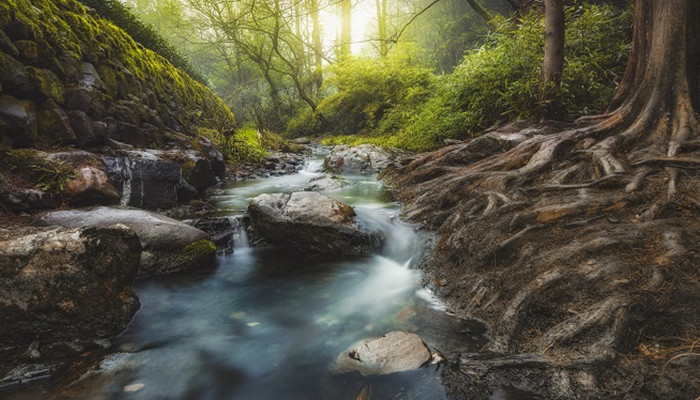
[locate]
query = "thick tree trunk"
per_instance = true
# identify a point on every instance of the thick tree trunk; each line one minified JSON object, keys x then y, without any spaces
{"x":554,"y":34}
{"x":661,"y":90}
{"x":579,"y":246}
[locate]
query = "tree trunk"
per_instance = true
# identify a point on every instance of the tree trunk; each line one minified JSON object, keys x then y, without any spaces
{"x":381,"y":28}
{"x":578,"y":246}
{"x":345,"y":29}
{"x":316,"y":43}
{"x":553,"y":57}
{"x":484,"y":13}
{"x":661,"y":86}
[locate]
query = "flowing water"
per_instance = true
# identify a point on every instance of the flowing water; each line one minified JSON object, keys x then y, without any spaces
{"x":263,"y":324}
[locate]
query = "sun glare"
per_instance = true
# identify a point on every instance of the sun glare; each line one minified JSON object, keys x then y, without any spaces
{"x":362,"y":20}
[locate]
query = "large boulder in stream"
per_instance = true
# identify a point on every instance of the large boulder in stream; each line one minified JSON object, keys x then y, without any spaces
{"x":168,"y":245}
{"x":62,"y":291}
{"x":394,"y":352}
{"x":310,"y":223}
{"x":362,"y":159}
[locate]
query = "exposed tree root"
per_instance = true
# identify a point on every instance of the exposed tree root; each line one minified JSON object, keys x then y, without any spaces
{"x":567,"y":244}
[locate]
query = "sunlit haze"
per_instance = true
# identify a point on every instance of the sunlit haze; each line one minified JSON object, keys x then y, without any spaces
{"x":363,"y":19}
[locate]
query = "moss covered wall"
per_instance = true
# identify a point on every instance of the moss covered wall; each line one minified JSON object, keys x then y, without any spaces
{"x":69,"y":77}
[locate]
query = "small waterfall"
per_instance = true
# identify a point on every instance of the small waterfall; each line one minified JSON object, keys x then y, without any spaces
{"x":240,"y":236}
{"x":126,"y":186}
{"x":314,"y":165}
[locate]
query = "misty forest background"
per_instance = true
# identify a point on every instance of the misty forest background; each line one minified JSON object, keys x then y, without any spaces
{"x":412,"y":74}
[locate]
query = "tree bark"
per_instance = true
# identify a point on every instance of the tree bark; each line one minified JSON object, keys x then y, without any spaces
{"x":539,"y":226}
{"x":381,"y":28}
{"x":554,"y":35}
{"x":483,"y":13}
{"x":345,"y":29}
{"x":316,"y":43}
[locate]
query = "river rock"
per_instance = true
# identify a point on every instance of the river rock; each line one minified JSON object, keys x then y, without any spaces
{"x":168,"y":245}
{"x":325,"y":182}
{"x":19,"y":117}
{"x":62,"y":292}
{"x":394,"y":352}
{"x":91,"y":186}
{"x":310,"y":223}
{"x":363,"y":159}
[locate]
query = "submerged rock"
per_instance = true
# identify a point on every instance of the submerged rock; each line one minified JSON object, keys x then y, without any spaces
{"x":324,"y":183}
{"x":62,"y":292}
{"x":168,"y":245}
{"x":309,"y":222}
{"x":394,"y":352}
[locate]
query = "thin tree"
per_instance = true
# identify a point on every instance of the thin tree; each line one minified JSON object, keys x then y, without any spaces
{"x":382,"y":20}
{"x":316,"y":43}
{"x":554,"y":35}
{"x":345,"y":29}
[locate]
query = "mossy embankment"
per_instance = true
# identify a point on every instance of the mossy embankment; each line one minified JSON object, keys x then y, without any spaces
{"x":72,"y":82}
{"x":70,"y":77}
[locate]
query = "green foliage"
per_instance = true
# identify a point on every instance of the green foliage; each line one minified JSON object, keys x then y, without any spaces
{"x":501,"y":80}
{"x":368,"y":96}
{"x":116,"y":12}
{"x":245,"y":144}
{"x":30,"y":165}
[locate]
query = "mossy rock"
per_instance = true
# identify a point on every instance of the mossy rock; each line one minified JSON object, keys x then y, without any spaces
{"x":54,"y":124}
{"x":33,"y":166}
{"x":110,"y":79}
{"x":14,"y":77}
{"x":19,"y":119}
{"x":48,"y":84}
{"x":7,"y":46}
{"x":200,"y":252}
{"x":28,"y":50}
{"x":65,"y":35}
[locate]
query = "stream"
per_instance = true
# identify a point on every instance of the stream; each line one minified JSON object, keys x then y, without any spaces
{"x":263,"y":324}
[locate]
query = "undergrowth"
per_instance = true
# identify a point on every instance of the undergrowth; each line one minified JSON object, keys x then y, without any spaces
{"x":395,"y":103}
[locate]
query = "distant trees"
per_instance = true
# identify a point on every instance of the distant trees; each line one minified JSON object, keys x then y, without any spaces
{"x":273,"y":60}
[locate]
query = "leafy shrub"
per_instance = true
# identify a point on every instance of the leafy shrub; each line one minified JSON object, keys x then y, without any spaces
{"x":500,"y":81}
{"x":367,"y":96}
{"x":116,"y":12}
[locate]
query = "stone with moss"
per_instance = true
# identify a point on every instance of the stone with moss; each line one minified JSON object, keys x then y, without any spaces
{"x":19,"y":117}
{"x":14,"y":76}
{"x":66,"y":34}
{"x":168,"y":245}
{"x":200,"y":252}
{"x":27,"y":50}
{"x":48,"y":84}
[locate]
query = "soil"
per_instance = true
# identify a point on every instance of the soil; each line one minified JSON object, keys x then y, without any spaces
{"x":587,"y":280}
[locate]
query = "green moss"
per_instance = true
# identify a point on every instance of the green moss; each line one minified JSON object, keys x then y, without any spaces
{"x":200,"y":251}
{"x":34,"y":167}
{"x":65,"y":27}
{"x":48,"y":83}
